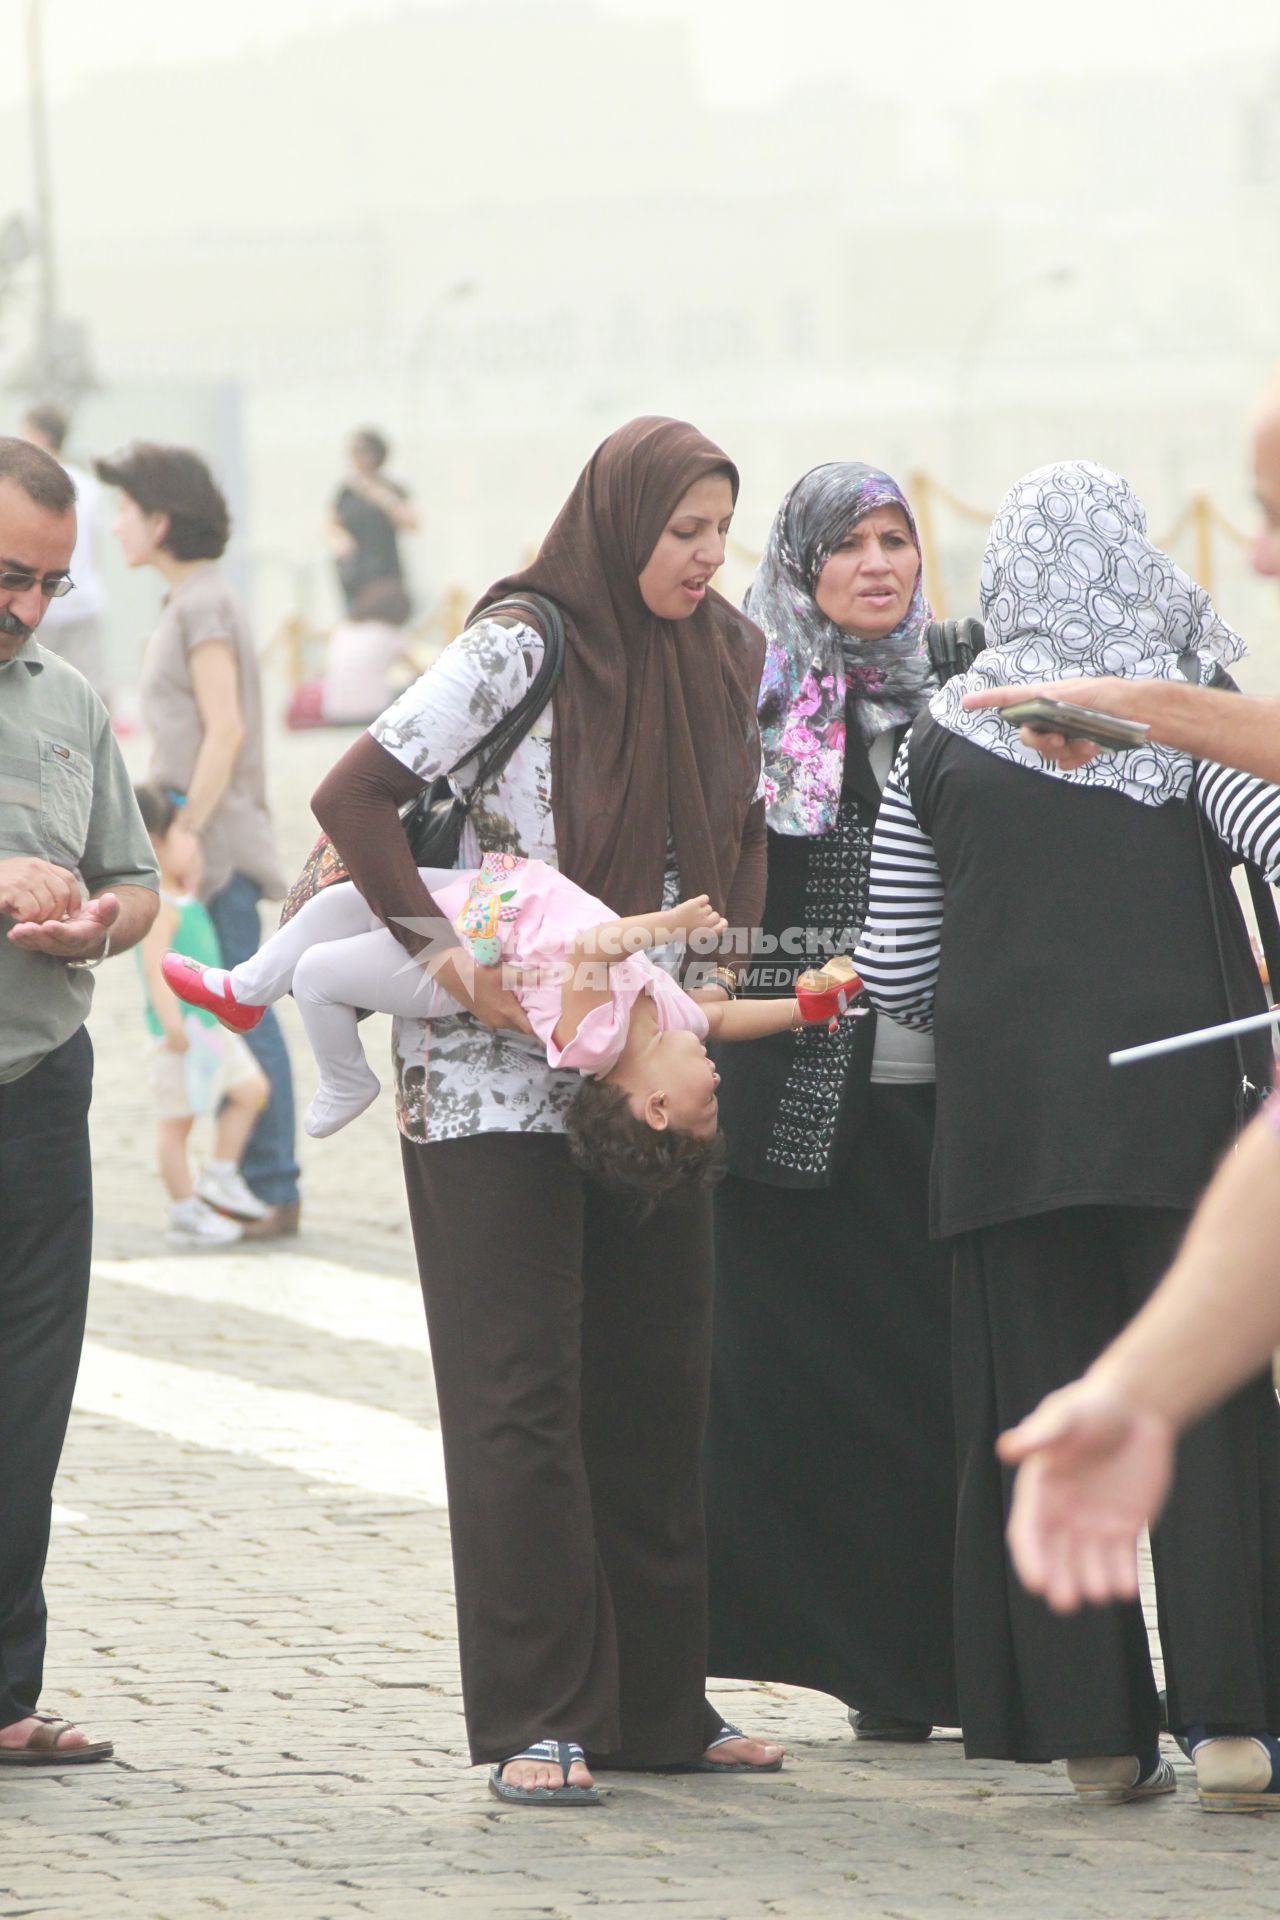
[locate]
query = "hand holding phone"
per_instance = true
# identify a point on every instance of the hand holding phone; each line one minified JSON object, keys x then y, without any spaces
{"x":1076,"y":723}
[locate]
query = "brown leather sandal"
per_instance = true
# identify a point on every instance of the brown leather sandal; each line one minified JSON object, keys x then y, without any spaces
{"x":42,"y":1749}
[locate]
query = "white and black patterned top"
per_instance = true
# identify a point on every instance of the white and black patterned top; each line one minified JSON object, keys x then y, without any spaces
{"x":455,"y":1077}
{"x":1072,"y":586}
{"x":901,"y":940}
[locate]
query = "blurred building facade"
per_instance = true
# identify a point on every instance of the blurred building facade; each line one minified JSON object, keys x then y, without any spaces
{"x":497,"y":232}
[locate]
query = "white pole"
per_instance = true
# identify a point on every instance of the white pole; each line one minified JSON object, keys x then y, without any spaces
{"x":1178,"y":1041}
{"x":44,"y":380}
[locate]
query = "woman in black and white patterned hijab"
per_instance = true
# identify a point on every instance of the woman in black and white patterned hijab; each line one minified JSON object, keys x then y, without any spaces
{"x":1073,"y":586}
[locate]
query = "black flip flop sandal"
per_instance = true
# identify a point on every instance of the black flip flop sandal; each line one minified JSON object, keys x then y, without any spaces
{"x":560,"y":1753}
{"x":703,"y":1765}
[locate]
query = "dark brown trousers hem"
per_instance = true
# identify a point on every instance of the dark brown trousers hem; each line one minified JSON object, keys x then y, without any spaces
{"x":571,"y":1349}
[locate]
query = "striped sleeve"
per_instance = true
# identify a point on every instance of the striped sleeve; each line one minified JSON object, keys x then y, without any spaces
{"x":1244,"y":812}
{"x":898,"y":953}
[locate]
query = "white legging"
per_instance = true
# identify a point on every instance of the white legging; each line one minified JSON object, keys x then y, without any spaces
{"x":336,"y":956}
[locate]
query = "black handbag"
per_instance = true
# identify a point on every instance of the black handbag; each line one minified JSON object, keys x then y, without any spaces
{"x":433,"y":822}
{"x":952,"y":645}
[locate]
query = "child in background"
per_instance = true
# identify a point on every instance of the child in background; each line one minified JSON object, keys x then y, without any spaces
{"x":197,"y":1067}
{"x":644,"y":1119}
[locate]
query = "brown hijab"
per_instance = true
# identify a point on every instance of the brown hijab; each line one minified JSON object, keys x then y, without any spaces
{"x":655,"y":721}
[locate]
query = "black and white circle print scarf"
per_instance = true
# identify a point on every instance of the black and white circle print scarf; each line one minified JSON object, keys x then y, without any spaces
{"x":1071,"y":587}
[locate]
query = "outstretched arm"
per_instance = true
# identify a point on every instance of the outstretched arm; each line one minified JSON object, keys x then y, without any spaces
{"x":901,"y":943}
{"x":1236,"y":730}
{"x":1095,"y":1458}
{"x":750,"y":1019}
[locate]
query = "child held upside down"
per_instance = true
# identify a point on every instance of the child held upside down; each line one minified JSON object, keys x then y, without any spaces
{"x":644,"y":1118}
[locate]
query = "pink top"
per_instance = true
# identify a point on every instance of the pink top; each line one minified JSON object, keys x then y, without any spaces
{"x":524,"y":911}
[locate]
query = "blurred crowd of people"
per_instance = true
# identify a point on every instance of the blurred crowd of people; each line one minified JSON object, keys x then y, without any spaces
{"x":913,"y":1225}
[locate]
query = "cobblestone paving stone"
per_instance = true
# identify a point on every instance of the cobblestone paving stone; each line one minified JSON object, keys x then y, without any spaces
{"x":273,"y":1653}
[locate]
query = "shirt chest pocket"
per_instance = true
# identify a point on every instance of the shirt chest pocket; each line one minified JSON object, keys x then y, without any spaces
{"x":66,"y":795}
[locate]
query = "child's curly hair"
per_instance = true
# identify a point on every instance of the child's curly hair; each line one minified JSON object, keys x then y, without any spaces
{"x":628,"y":1156}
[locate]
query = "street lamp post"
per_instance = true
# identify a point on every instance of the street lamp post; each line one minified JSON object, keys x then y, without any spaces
{"x":57,"y":364}
{"x":42,"y":360}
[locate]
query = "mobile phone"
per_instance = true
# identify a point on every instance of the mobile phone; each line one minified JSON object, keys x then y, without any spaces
{"x":1076,"y":723}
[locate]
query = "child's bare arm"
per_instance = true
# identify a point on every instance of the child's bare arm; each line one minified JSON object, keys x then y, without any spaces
{"x":168,"y":1008}
{"x":750,"y":1019}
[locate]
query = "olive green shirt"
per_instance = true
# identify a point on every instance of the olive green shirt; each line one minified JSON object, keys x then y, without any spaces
{"x":65,"y":797}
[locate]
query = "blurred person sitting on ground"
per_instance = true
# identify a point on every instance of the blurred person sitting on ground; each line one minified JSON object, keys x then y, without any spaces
{"x":570,"y":1341}
{"x":1038,"y":918}
{"x":77,"y":883}
{"x":198,"y":1070}
{"x":369,"y":512}
{"x":645,"y":1118}
{"x":365,"y":655}
{"x":73,"y":627}
{"x":202,"y":708}
{"x":852,"y":1478}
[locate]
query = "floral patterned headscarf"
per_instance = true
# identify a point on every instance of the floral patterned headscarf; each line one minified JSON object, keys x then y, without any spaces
{"x":811,"y":664}
{"x":1073,"y":586}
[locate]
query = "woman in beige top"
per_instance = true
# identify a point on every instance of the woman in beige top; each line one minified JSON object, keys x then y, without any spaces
{"x":202,"y":707}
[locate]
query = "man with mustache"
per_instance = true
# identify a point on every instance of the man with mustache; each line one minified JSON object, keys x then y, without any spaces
{"x":77,"y":881}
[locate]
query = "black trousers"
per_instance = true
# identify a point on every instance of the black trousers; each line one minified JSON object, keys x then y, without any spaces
{"x":1035,"y":1302}
{"x":46,"y":1231}
{"x":571,"y":1349}
{"x":830,"y":1457}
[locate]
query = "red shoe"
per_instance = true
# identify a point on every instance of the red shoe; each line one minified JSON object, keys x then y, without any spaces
{"x":827,"y":994}
{"x":185,"y":977}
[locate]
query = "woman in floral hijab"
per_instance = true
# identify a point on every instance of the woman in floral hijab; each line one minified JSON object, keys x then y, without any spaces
{"x":831,"y":1302}
{"x":816,"y":669}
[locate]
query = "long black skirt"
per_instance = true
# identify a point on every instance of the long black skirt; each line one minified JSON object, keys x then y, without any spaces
{"x":1035,"y":1302}
{"x":830,"y":1458}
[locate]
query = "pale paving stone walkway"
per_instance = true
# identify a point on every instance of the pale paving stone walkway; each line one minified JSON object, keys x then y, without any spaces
{"x":271,"y":1645}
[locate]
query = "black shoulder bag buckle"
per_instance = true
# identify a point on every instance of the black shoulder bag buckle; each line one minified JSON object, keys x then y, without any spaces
{"x":952,"y":645}
{"x":433,"y":822}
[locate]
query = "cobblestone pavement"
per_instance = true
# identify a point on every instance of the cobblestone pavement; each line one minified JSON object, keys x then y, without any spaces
{"x":250,"y":1593}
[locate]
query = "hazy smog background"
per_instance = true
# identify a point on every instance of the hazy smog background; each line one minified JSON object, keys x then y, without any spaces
{"x":955,"y":242}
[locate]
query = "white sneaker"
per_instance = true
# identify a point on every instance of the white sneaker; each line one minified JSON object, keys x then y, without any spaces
{"x":229,"y":1194}
{"x":195,"y":1225}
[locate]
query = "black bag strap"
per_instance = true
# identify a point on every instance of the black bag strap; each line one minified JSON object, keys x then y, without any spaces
{"x":1248,"y":1095}
{"x":952,"y":645}
{"x":1264,"y":912}
{"x":1260,"y":890}
{"x":501,"y":741}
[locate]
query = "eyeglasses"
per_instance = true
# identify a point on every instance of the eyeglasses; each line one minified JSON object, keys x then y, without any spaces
{"x":53,"y":586}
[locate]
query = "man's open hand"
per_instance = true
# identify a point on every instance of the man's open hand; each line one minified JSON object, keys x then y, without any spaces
{"x":80,"y":936}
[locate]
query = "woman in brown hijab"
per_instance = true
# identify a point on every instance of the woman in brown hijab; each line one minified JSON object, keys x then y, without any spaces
{"x":571,"y":1342}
